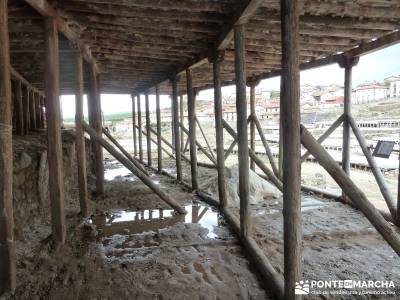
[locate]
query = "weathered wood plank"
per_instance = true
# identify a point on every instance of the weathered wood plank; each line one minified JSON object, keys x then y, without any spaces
{"x":148,"y":132}
{"x":159,"y":145}
{"x":177,"y":142}
{"x":80,"y":140}
{"x":54,"y":152}
{"x":192,"y":129}
{"x":135,"y":152}
{"x":7,"y":247}
{"x":290,"y":118}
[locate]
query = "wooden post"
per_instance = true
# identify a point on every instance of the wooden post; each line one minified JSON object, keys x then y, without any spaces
{"x":252,"y":125}
{"x":19,"y":108}
{"x":54,"y":152}
{"x":159,"y":145}
{"x":7,"y":247}
{"x":131,"y":167}
{"x":27,"y":123}
{"x":95,"y":120}
{"x":280,"y":156}
{"x":42,"y":114}
{"x":243,"y":147}
{"x":148,"y":133}
{"x":182,"y":119}
{"x":219,"y":130}
{"x":351,"y":190}
{"x":139,"y":113}
{"x":80,"y":139}
{"x":192,"y":129}
{"x":135,"y":152}
{"x":398,"y":194}
{"x":174,"y":82}
{"x":347,"y":64}
{"x":290,"y":118}
{"x":37,"y":111}
{"x":32,"y":111}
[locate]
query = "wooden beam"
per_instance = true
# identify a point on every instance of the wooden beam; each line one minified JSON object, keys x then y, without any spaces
{"x":47,"y":10}
{"x":351,"y":190}
{"x":397,"y":221}
{"x":181,"y":120}
{"x":26,"y":105}
{"x":177,"y":143}
{"x":135,"y":152}
{"x":139,"y":113}
{"x":148,"y":133}
{"x":7,"y":246}
{"x":219,"y":133}
{"x":95,"y":120}
{"x":376,"y":171}
{"x":252,"y":125}
{"x":32,"y":110}
{"x":37,"y":111}
{"x":241,"y":112}
{"x":159,"y":145}
{"x":290,"y":116}
{"x":54,"y":152}
{"x":192,"y":129}
{"x":19,"y":108}
{"x":80,"y":139}
{"x":131,"y":167}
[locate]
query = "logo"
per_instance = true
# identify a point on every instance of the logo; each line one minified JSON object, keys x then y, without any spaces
{"x":302,"y":288}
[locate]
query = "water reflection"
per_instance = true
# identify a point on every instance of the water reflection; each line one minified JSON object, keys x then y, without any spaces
{"x":131,"y":222}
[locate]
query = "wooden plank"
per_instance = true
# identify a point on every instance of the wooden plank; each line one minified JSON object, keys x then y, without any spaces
{"x":47,"y":10}
{"x":32,"y":110}
{"x":290,"y":116}
{"x":135,"y":152}
{"x":192,"y":129}
{"x":159,"y":146}
{"x":325,"y":135}
{"x":139,"y":113}
{"x":54,"y":152}
{"x":80,"y":140}
{"x":26,"y":105}
{"x":7,"y":246}
{"x":266,"y":146}
{"x":95,"y":120}
{"x":131,"y":167}
{"x":177,"y":142}
{"x":351,"y":190}
{"x":219,"y":133}
{"x":181,"y":119}
{"x":19,"y":108}
{"x":148,"y":133}
{"x":252,"y":125}
{"x":126,"y":153}
{"x":242,"y":136}
{"x":374,"y":168}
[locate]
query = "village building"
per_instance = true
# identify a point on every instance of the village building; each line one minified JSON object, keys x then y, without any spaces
{"x":394,"y":88}
{"x":369,"y":92}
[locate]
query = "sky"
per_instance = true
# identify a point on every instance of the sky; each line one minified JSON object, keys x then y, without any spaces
{"x":374,"y":66}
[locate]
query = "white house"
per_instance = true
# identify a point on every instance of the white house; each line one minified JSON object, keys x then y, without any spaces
{"x":329,"y":95}
{"x":369,"y":92}
{"x":394,"y":90}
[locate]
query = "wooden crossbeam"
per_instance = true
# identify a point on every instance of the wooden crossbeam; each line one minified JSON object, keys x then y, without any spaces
{"x":47,"y":10}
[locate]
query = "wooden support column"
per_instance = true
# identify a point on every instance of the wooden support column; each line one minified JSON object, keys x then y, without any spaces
{"x":159,"y":145}
{"x":37,"y":111}
{"x":219,"y":129}
{"x":54,"y":152}
{"x":27,"y":123}
{"x":252,"y":125}
{"x":291,"y":159}
{"x":192,"y":128}
{"x":80,"y":139}
{"x":181,"y":120}
{"x":7,"y":248}
{"x":135,"y":152}
{"x":139,"y":114}
{"x":19,"y":108}
{"x":243,"y":147}
{"x":347,"y":64}
{"x":42,"y":113}
{"x":148,"y":133}
{"x":32,"y":110}
{"x":398,"y":196}
{"x":177,"y":144}
{"x":95,"y":120}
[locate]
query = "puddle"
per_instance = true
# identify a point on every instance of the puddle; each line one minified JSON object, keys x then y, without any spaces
{"x":133,"y":222}
{"x":308,"y":203}
{"x":114,"y":173}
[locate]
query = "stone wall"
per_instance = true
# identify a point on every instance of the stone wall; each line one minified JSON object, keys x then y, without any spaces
{"x":31,"y":177}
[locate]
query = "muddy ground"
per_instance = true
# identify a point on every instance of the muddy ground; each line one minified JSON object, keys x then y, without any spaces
{"x":135,"y":247}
